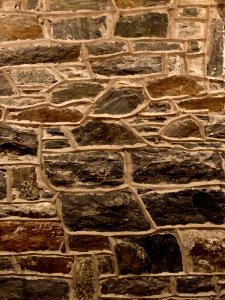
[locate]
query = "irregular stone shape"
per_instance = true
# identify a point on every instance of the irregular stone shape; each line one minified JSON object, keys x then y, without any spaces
{"x":105,"y":264}
{"x":101,"y":133}
{"x":54,"y":131}
{"x":117,"y":211}
{"x":20,"y":27}
{"x":3,"y":184}
{"x":46,"y":264}
{"x":21,"y":288}
{"x":5,"y":87}
{"x":85,"y":243}
{"x":33,"y":76}
{"x":172,"y":166}
{"x":19,"y":236}
{"x":79,"y":28}
{"x":85,"y":279}
{"x":49,"y":115}
{"x":76,"y":91}
{"x":135,"y":25}
{"x":25,"y":182}
{"x":187,"y":206}
{"x":120,"y":101}
{"x":6,"y":263}
{"x":210,"y":103}
{"x":71,"y":5}
{"x":136,"y":3}
{"x":136,"y":286}
{"x":127,"y":65}
{"x":216,"y":48}
{"x":182,"y":128}
{"x":17,"y":140}
{"x":190,"y":12}
{"x":174,"y":86}
{"x":87,"y":169}
{"x":205,"y":250}
{"x":105,"y":48}
{"x":40,"y":210}
{"x":216,"y":130}
{"x":189,"y":29}
{"x":157,"y":46}
{"x":194,"y":284}
{"x":39,"y":54}
{"x":8,"y":5}
{"x":194,"y":46}
{"x":157,"y":253}
{"x":162,"y":106}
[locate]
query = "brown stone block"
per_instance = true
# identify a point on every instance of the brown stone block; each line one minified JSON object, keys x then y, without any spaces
{"x":85,"y":243}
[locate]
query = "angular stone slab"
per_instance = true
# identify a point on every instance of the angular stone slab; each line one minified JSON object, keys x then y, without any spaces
{"x":136,"y":3}
{"x":135,"y":25}
{"x":71,"y":5}
{"x":189,"y":206}
{"x":5,"y":86}
{"x":97,"y":132}
{"x":157,"y":253}
{"x":213,"y":104}
{"x":195,"y":284}
{"x":39,"y":54}
{"x":85,"y":243}
{"x":170,"y":166}
{"x":120,"y":101}
{"x":205,"y":250}
{"x":127,"y":65}
{"x":105,"y":48}
{"x":136,"y":286}
{"x":88,"y":169}
{"x":79,"y":28}
{"x":115,"y":211}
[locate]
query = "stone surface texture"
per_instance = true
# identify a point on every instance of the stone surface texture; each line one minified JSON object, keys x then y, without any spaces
{"x":112,"y":149}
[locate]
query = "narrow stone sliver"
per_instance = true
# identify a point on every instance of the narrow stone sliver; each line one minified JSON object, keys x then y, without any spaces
{"x":112,"y":132}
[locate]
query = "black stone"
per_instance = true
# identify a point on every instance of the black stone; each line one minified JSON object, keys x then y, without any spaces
{"x":119,"y":101}
{"x":56,"y":144}
{"x":21,"y":289}
{"x":194,"y":284}
{"x":88,"y":169}
{"x":116,"y":211}
{"x":187,"y":206}
{"x":136,"y":286}
{"x":101,"y":133}
{"x":39,"y":54}
{"x":76,"y":91}
{"x":79,"y":28}
{"x":149,"y":254}
{"x":135,"y":25}
{"x":127,"y":65}
{"x":105,"y":48}
{"x":172,"y":166}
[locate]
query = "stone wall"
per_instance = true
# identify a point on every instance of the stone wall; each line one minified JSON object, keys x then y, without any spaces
{"x":112,"y":149}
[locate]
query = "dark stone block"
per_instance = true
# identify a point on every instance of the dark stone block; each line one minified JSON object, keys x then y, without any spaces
{"x":117,"y":211}
{"x":79,"y":28}
{"x":6,"y":264}
{"x":195,"y":284}
{"x":3,"y":184}
{"x":46,"y":264}
{"x":187,"y":206}
{"x":105,"y":264}
{"x":120,"y":101}
{"x":87,"y":169}
{"x":76,"y":91}
{"x":127,"y":65}
{"x":172,"y":166}
{"x":136,"y":286}
{"x":149,"y":254}
{"x":85,"y":243}
{"x":105,"y":48}
{"x":56,"y":144}
{"x":211,"y":103}
{"x":44,"y":289}
{"x":101,"y":133}
{"x":135,"y":25}
{"x":217,"y":130}
{"x":5,"y":87}
{"x":156,"y":46}
{"x":136,"y":3}
{"x":39,"y":54}
{"x":71,"y":5}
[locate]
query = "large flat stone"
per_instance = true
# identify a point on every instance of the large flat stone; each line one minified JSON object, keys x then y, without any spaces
{"x":85,"y":243}
{"x":162,"y":165}
{"x":127,"y":65}
{"x":185,"y":207}
{"x":71,"y":5}
{"x":87,"y":169}
{"x":79,"y":28}
{"x":148,"y":254}
{"x":135,"y":25}
{"x":213,"y":104}
{"x":137,"y":3}
{"x":117,"y":211}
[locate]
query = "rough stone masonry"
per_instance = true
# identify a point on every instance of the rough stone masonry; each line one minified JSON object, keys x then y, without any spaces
{"x":112,"y":149}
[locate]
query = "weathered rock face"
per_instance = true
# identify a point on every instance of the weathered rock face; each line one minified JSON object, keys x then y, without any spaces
{"x":112,"y":161}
